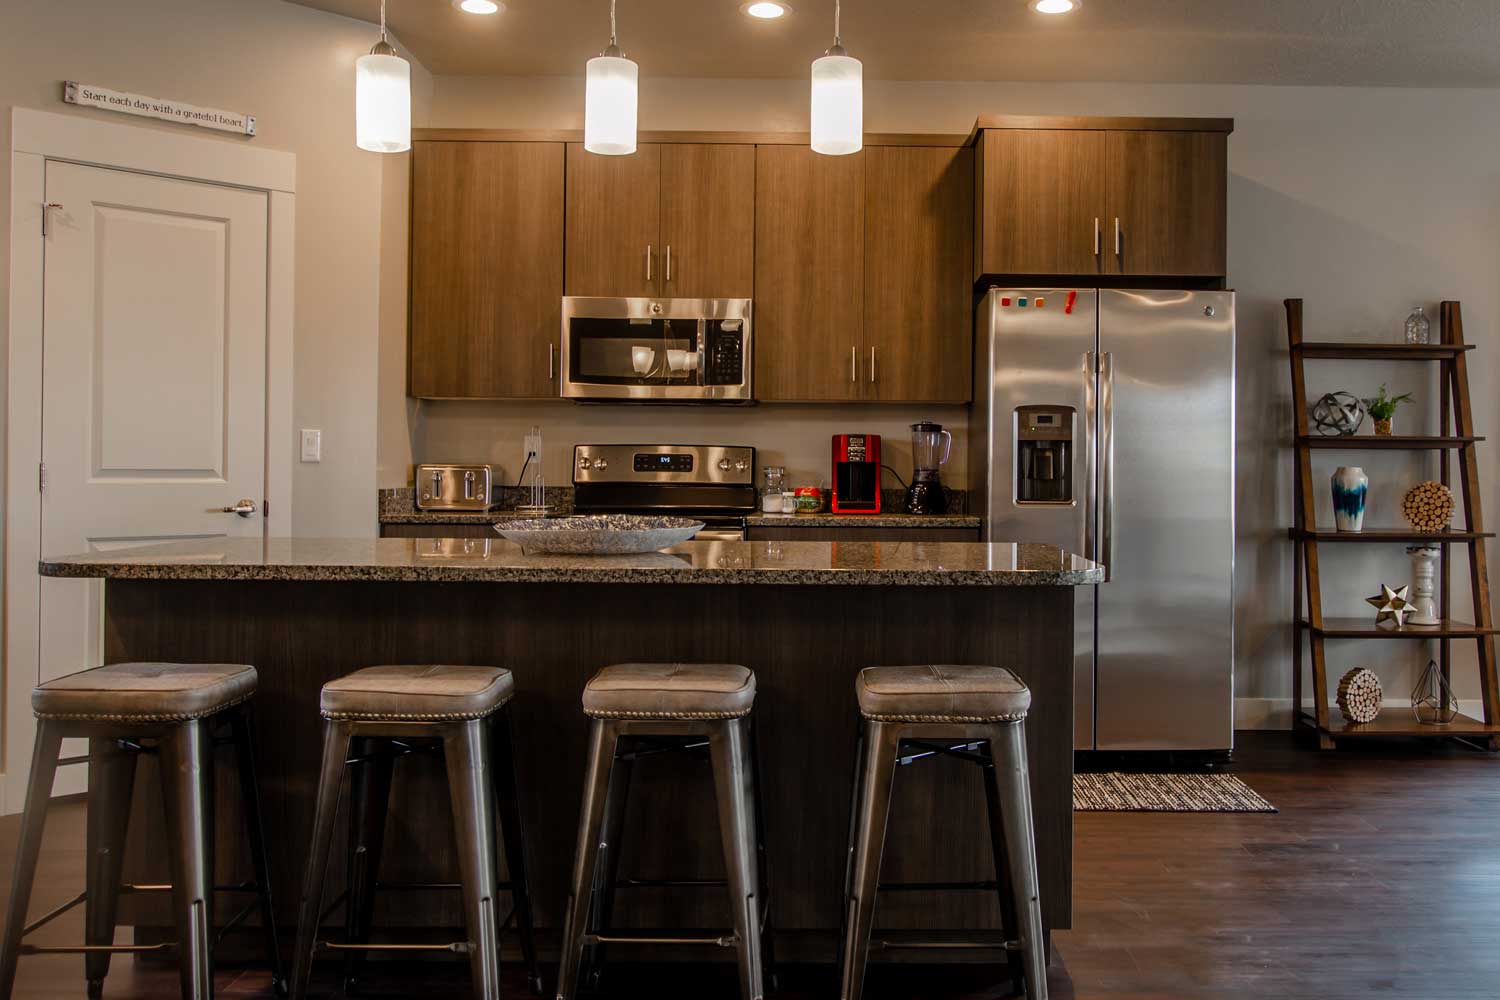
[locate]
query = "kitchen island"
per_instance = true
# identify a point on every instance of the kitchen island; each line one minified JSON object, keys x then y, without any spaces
{"x":804,"y":615}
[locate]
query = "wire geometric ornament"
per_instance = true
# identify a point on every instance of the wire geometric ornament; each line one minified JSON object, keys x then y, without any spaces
{"x":1391,"y":605}
{"x":1338,"y":414}
{"x":1432,"y":700}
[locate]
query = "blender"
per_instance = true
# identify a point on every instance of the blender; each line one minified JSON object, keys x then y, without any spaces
{"x":929,"y":449}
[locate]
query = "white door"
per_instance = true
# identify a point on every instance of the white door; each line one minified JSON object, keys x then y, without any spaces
{"x":154,"y":377}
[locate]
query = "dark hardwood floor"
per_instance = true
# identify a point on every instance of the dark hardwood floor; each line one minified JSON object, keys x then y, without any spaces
{"x":1379,"y":877}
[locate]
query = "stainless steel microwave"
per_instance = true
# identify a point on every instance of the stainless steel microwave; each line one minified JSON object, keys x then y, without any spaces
{"x":657,"y":350}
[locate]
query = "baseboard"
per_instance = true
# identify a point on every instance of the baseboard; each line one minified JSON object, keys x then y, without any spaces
{"x":1276,"y":713}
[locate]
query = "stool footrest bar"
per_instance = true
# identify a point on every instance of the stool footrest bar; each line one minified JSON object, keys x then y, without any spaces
{"x":990,"y":886}
{"x":47,"y":918}
{"x":725,"y":941}
{"x":461,"y":947}
{"x":975,"y":945}
{"x":671,"y":883}
{"x":84,"y":949}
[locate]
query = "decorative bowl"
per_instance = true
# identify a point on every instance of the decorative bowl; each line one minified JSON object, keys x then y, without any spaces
{"x":599,"y":534}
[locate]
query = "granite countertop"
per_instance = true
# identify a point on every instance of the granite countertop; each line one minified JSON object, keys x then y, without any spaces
{"x":484,"y":560}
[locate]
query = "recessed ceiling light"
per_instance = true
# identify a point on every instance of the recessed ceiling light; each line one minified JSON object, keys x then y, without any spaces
{"x":1055,"y":6}
{"x":767,"y":10}
{"x":479,"y":6}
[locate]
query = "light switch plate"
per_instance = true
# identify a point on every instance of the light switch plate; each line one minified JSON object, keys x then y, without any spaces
{"x":312,"y":445}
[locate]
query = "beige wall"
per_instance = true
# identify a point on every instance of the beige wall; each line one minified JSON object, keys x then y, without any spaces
{"x":293,"y":68}
{"x":1363,"y":201}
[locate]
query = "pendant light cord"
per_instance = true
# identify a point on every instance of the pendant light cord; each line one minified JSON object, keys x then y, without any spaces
{"x":837,"y":35}
{"x":612,"y":40}
{"x":382,"y":20}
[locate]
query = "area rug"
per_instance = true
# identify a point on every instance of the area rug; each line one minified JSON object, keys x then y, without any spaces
{"x":1116,"y":791}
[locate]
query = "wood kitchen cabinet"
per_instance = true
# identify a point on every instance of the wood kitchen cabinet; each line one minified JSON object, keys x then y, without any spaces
{"x":671,"y":219}
{"x":1140,"y":197}
{"x":919,"y":237}
{"x":809,"y":274}
{"x":486,"y":268}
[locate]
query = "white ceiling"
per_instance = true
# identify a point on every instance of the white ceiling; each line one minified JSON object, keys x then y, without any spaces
{"x":1422,"y":43}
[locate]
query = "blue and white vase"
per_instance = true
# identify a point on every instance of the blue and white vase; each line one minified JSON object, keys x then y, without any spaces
{"x":1350,"y":484}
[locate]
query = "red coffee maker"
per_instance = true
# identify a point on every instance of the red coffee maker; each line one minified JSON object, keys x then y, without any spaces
{"x":856,"y":474}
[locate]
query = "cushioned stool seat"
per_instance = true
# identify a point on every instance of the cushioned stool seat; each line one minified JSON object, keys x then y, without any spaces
{"x":145,"y":692}
{"x":941,"y":693}
{"x":670,"y":691}
{"x":417,"y":693}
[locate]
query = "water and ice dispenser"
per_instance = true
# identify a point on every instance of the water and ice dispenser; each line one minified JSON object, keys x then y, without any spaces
{"x":1044,"y":454}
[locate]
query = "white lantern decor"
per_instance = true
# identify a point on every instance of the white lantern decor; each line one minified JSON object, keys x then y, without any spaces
{"x":838,"y":99}
{"x":611,"y":88}
{"x":382,"y":98}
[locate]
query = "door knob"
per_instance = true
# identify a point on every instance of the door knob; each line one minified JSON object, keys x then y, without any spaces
{"x":244,"y":508}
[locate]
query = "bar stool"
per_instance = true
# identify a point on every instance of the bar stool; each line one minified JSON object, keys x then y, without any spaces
{"x":647,"y":708}
{"x":126,"y":710}
{"x":973,"y":714}
{"x":374,"y":716}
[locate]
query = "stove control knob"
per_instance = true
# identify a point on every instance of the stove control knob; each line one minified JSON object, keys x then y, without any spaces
{"x":741,"y":465}
{"x":724,"y":465}
{"x":600,"y":464}
{"x":585,"y":463}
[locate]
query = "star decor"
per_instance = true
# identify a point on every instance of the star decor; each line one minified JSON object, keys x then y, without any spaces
{"x":1391,"y":605}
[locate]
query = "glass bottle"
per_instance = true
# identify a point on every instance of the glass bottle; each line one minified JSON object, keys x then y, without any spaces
{"x":775,"y":482}
{"x":1418,"y":330}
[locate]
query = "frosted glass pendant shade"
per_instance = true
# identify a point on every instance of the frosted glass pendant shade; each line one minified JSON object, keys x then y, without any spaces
{"x":838,"y":105}
{"x":609,"y":105}
{"x":382,"y":103}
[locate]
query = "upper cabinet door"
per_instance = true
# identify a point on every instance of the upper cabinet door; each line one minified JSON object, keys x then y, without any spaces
{"x":809,"y":274}
{"x":1041,"y":198}
{"x":613,"y":234}
{"x":919,"y":219}
{"x":486,"y":268}
{"x":708,"y":220}
{"x":1167,"y":189}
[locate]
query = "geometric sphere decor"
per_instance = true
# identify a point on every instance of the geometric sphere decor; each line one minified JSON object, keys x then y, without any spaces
{"x":1359,"y":695}
{"x":1428,"y":506}
{"x":1337,"y":413}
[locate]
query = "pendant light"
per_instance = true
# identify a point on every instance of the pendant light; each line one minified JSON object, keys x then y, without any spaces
{"x":838,"y":101}
{"x":610,"y":98}
{"x":382,"y":98}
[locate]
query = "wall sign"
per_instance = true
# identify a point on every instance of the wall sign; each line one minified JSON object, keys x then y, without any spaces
{"x":90,"y":96}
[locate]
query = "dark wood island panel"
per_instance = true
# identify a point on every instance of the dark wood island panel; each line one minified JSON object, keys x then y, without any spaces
{"x":805,"y":643}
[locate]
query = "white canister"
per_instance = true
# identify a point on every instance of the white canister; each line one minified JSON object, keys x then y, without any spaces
{"x":1350,"y":486}
{"x":1424,"y":559}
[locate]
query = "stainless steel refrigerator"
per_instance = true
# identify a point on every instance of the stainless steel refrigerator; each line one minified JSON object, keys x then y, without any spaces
{"x":1104,"y":423}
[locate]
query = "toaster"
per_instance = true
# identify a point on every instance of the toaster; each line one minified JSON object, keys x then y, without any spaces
{"x":456,"y":487}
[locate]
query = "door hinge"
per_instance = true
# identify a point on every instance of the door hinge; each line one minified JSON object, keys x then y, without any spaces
{"x":265,"y":508}
{"x":41,"y":477}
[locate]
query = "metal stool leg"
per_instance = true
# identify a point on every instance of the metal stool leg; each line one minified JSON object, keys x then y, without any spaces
{"x":336,"y":737}
{"x":1013,"y":789}
{"x":466,"y":749}
{"x":111,"y":786}
{"x":603,"y":735}
{"x":242,"y":726}
{"x":873,"y":810}
{"x":603,"y":912}
{"x":763,"y":859}
{"x":33,"y":821}
{"x":369,"y":803}
{"x":734,"y":787}
{"x":187,"y":770}
{"x":513,"y":836}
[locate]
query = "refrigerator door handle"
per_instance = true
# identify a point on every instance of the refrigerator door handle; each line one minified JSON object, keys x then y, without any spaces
{"x":1090,"y":483}
{"x":1107,"y":464}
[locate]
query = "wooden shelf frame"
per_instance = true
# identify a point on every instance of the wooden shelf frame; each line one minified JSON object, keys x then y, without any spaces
{"x":1456,"y":440}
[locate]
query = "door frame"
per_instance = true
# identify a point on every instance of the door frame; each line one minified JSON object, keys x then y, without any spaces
{"x":37,"y":137}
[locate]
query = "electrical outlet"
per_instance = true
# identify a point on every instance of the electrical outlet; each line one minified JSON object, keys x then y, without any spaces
{"x":312,"y":445}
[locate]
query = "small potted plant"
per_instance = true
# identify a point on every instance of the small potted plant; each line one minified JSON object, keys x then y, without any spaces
{"x":1383,"y":407}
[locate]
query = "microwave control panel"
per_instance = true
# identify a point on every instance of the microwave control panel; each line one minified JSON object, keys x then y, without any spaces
{"x":724,"y":354}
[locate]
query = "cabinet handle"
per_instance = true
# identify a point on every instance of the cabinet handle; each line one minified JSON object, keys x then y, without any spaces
{"x":1117,"y":236}
{"x":1098,"y":242}
{"x":872,"y":364}
{"x":669,"y":262}
{"x":853,"y":363}
{"x":649,"y":250}
{"x":551,"y":362}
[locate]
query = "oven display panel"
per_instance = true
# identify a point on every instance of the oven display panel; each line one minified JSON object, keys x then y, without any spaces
{"x":663,"y":463}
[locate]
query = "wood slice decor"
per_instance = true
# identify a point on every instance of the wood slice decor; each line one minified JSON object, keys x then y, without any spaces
{"x":1360,"y":695}
{"x":1428,"y":506}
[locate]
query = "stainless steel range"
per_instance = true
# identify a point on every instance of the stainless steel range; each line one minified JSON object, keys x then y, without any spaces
{"x":712,"y":483}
